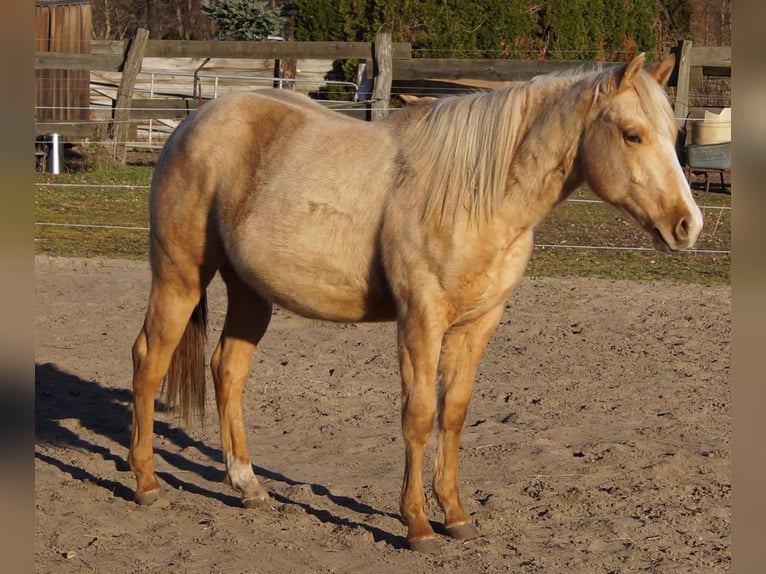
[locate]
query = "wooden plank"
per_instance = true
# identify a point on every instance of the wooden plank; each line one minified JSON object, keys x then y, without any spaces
{"x":267,"y":50}
{"x":71,"y":61}
{"x":108,"y":48}
{"x":711,"y":56}
{"x":73,"y":130}
{"x":257,"y":49}
{"x":108,"y":56}
{"x":494,"y":70}
{"x":681,"y":107}
{"x":132,"y":66}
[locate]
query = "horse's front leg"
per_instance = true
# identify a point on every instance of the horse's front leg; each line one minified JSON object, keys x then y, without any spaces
{"x":461,"y":350}
{"x":419,"y":339}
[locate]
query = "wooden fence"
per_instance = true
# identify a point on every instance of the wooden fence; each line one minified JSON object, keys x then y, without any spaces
{"x":62,"y":27}
{"x":112,"y":57}
{"x":388,"y":63}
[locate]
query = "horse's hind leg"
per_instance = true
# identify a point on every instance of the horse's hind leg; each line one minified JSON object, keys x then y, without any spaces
{"x":461,"y":350}
{"x":247,"y":317}
{"x":174,"y":295}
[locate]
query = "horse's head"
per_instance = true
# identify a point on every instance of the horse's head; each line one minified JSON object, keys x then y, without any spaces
{"x":629,"y":154}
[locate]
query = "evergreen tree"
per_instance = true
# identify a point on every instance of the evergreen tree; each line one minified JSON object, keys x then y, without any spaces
{"x":554,"y":29}
{"x":243,"y":19}
{"x":548,"y":29}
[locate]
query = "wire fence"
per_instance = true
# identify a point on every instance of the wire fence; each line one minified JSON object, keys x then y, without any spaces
{"x":152,"y":134}
{"x":721,"y":209}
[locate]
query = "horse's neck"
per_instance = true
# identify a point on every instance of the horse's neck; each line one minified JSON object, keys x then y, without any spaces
{"x":545,"y":169}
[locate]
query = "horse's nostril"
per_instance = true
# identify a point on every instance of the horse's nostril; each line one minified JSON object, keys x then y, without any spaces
{"x":683,"y":228}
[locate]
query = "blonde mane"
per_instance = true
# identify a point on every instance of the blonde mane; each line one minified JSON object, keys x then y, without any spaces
{"x":449,"y":145}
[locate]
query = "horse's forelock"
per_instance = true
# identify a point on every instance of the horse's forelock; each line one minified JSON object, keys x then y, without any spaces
{"x":652,"y":97}
{"x":655,"y":103}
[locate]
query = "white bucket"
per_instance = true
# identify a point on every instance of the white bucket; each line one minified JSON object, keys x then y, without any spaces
{"x":713,"y":128}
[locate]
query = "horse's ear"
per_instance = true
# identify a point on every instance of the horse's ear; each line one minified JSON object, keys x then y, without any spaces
{"x":661,"y":70}
{"x":630,"y":71}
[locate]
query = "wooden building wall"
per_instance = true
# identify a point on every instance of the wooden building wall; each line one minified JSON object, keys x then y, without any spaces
{"x":62,"y":26}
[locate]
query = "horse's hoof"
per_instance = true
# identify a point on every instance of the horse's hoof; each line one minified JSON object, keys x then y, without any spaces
{"x":257,"y":503}
{"x":147,"y":498}
{"x":463,"y":531}
{"x":424,"y":545}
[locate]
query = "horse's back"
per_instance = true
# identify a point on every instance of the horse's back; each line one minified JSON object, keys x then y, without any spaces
{"x":295,"y":194}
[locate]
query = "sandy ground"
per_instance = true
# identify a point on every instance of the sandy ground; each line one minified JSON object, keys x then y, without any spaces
{"x":598,"y":439}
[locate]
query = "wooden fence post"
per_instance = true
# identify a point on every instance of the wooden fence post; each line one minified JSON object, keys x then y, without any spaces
{"x":384,"y":67}
{"x":681,"y":106}
{"x":130,"y":69}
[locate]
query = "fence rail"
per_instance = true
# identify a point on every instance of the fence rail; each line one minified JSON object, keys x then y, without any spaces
{"x":386,"y":62}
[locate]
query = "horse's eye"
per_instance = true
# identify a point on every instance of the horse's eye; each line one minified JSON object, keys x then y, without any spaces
{"x":632,"y":137}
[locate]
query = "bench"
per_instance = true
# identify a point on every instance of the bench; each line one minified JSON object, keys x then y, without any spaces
{"x":707,"y":172}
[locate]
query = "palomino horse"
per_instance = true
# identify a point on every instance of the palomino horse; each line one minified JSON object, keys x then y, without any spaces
{"x":425,"y":219}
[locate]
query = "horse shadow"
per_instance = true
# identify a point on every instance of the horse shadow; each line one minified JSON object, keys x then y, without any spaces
{"x":63,"y":397}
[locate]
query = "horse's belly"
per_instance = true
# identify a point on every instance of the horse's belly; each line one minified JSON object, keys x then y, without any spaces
{"x":325,"y":293}
{"x":321,"y":271}
{"x":321,"y":298}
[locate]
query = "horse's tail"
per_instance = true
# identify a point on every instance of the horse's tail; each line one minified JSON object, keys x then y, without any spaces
{"x":185,"y":381}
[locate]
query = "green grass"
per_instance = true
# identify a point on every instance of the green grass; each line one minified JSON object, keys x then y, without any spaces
{"x":599,"y":224}
{"x":76,"y":198}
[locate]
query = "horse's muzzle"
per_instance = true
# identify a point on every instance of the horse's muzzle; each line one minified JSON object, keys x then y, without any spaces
{"x":682,"y":235}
